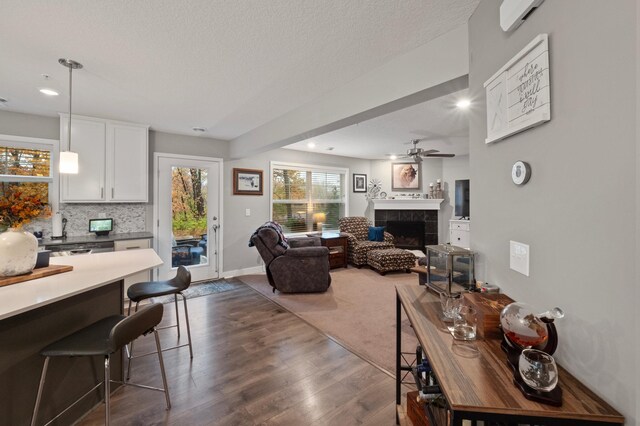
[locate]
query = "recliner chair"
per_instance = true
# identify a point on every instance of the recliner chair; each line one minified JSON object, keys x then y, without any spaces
{"x":302,"y":268}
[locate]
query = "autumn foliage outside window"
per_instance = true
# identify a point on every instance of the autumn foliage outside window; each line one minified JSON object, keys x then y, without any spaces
{"x":189,"y":202}
{"x":299,"y":195}
{"x":24,"y":190}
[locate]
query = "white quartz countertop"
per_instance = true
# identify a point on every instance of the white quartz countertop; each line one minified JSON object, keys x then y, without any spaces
{"x":90,"y":271}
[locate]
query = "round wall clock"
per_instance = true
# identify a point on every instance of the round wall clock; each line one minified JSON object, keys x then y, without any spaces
{"x":520,"y":172}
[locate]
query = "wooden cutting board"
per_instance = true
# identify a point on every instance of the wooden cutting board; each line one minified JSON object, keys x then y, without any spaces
{"x":35,"y":274}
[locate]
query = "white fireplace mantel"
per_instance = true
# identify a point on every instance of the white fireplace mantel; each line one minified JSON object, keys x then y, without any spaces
{"x":407,"y":204}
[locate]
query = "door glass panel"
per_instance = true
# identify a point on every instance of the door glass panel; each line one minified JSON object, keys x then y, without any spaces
{"x":189,"y":216}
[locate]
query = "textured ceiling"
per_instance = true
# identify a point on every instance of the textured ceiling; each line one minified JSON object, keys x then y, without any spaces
{"x":227,"y":66}
{"x":445,"y":127}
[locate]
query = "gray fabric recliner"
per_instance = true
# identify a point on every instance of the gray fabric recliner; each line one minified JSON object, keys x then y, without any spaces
{"x":302,"y":268}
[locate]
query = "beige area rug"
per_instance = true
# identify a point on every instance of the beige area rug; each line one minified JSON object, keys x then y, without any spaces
{"x":358,"y":311}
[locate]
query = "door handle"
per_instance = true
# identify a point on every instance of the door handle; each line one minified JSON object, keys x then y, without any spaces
{"x":101,"y":192}
{"x":111,"y":192}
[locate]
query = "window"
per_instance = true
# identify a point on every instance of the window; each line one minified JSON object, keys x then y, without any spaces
{"x":25,"y":168}
{"x":308,"y":198}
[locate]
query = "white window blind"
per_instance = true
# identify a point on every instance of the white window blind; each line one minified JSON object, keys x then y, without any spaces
{"x":306,"y":198}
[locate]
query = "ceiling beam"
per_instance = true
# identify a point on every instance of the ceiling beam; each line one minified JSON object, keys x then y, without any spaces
{"x":429,"y":71}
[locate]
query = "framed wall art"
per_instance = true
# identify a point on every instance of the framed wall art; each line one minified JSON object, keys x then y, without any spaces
{"x":405,"y":176}
{"x":247,"y":182}
{"x":518,"y":94}
{"x":359,"y":182}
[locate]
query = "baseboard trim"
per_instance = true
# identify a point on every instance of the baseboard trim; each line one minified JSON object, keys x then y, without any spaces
{"x":243,"y":271}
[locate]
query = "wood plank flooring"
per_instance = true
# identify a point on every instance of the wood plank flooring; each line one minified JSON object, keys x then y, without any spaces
{"x":254,"y":364}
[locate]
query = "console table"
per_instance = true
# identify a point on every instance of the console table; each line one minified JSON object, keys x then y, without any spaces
{"x":476,"y":381}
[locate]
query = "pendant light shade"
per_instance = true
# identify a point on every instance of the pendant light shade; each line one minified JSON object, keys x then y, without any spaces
{"x":69,"y":159}
{"x":69,"y":162}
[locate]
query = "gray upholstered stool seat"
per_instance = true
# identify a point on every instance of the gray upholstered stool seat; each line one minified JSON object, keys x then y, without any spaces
{"x":105,"y":337}
{"x":146,"y":290}
{"x":393,"y":259}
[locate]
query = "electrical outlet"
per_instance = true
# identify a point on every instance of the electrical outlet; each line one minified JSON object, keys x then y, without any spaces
{"x":247,"y":212}
{"x":519,"y":257}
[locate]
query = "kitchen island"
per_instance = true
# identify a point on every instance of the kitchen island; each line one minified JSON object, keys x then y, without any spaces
{"x":38,"y":312}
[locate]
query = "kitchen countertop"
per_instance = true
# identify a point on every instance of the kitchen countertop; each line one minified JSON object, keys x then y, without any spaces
{"x":96,"y":239}
{"x":90,"y":271}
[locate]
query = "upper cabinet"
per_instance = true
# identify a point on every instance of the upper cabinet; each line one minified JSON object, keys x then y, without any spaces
{"x":113,"y":161}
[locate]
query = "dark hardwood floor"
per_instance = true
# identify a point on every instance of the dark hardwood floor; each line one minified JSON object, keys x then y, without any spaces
{"x":254,"y":364}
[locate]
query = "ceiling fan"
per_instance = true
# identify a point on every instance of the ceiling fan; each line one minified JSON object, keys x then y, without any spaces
{"x":417,"y":154}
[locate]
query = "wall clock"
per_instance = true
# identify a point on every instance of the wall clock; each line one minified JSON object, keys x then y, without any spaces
{"x":520,"y":172}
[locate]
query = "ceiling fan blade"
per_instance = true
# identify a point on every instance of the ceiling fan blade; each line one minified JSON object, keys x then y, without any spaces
{"x":440,"y":155}
{"x":428,"y":151}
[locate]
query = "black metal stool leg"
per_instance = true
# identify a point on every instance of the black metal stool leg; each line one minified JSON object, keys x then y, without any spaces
{"x":107,"y":391}
{"x":40,"y":387}
{"x":164,"y":376}
{"x":130,"y":351}
{"x":175,"y":298}
{"x":186,"y":316}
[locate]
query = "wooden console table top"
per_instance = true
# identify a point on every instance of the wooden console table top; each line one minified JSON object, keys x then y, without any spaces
{"x":479,"y":380}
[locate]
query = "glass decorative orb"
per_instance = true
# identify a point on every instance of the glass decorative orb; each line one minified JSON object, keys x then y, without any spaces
{"x":522,"y":327}
{"x":538,"y":370}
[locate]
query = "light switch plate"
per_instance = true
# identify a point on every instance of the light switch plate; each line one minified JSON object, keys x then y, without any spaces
{"x":519,"y":257}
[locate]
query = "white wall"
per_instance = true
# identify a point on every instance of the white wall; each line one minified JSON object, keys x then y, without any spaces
{"x":582,"y":191}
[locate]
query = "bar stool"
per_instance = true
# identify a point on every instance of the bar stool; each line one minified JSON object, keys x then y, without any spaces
{"x":145,"y":290}
{"x":105,"y":337}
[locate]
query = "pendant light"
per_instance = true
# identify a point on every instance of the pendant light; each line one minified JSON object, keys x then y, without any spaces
{"x":69,"y":159}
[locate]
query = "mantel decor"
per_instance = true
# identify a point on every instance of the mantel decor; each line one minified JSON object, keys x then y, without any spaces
{"x":247,"y":182}
{"x":518,"y":95}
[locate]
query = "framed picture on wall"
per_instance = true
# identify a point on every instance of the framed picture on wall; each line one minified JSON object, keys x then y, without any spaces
{"x":247,"y":182}
{"x":359,"y":182}
{"x":405,"y":176}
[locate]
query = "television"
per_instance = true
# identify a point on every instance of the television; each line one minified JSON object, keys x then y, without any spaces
{"x":462,"y":198}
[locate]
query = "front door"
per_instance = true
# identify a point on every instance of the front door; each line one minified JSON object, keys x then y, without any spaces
{"x":187,"y":215}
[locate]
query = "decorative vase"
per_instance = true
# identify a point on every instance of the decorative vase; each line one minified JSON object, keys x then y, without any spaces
{"x":18,"y":252}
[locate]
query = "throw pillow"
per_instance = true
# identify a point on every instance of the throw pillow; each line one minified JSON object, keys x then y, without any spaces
{"x":376,"y":233}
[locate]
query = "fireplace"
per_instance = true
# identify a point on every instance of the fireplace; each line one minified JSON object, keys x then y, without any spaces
{"x":429,"y":227}
{"x":407,"y":235}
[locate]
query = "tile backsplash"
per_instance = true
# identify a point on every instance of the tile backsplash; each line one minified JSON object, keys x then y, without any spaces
{"x":127,"y":217}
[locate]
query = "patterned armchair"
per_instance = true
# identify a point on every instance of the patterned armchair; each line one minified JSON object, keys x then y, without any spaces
{"x":357,"y":230}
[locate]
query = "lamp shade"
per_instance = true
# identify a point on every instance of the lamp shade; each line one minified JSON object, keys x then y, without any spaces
{"x":319,"y":217}
{"x":68,"y":162}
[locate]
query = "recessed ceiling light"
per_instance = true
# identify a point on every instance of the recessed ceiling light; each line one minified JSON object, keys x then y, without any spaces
{"x":49,"y":92}
{"x":311,"y":144}
{"x":463,"y":103}
{"x":393,"y":157}
{"x":199,"y":129}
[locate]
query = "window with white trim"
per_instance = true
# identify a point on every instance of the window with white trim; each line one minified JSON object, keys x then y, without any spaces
{"x":26,"y":170}
{"x":307,"y":198}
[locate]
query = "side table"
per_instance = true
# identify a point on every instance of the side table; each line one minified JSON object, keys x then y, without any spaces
{"x":337,"y":245}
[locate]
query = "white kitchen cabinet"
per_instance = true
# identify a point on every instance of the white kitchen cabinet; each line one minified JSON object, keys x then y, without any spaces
{"x":125,"y":245}
{"x":113,"y":161}
{"x":460,"y":233}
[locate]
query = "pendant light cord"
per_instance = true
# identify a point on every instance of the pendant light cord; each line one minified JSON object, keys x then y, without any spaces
{"x":69,"y":127}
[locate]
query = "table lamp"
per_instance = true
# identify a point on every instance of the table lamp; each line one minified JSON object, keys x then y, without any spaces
{"x":319,"y":219}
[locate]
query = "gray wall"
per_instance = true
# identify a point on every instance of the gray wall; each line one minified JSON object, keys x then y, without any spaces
{"x":238,"y":227}
{"x":573,"y":212}
{"x":28,"y":125}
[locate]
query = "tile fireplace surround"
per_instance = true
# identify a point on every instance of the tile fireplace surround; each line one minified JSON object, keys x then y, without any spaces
{"x":418,"y":210}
